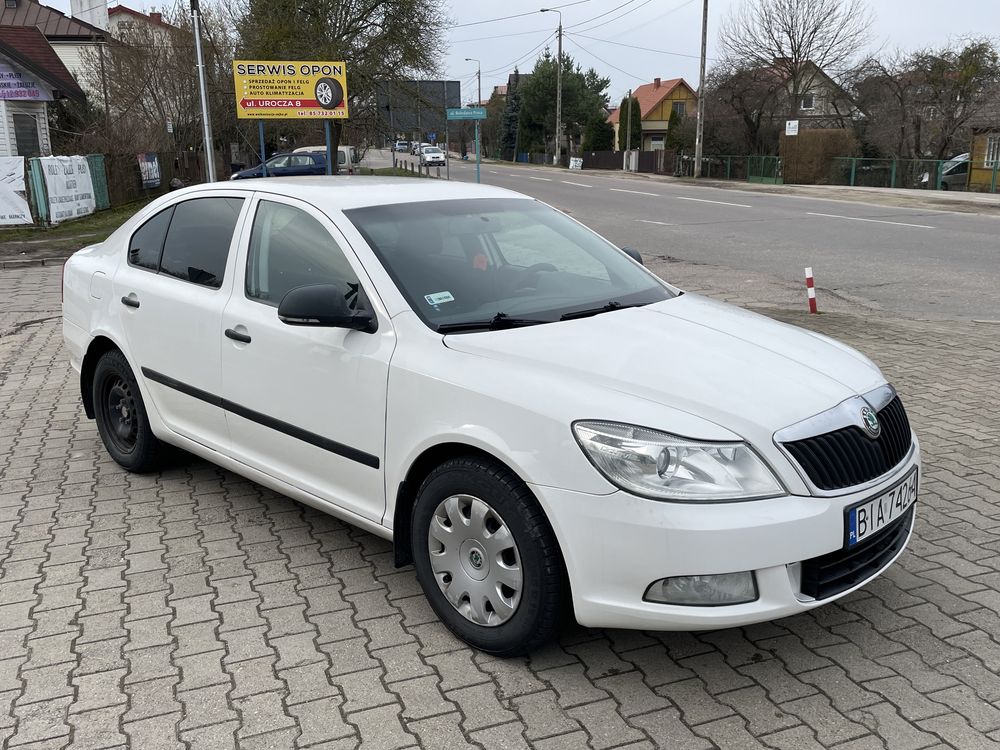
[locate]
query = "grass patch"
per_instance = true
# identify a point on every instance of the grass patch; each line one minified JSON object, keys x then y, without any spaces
{"x":393,"y":172}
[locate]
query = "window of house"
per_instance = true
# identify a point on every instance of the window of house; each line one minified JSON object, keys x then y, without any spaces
{"x":992,"y":151}
{"x":656,"y":142}
{"x":288,"y":249}
{"x":26,"y":135}
{"x":146,"y":244}
{"x":680,"y":108}
{"x":808,"y":102}
{"x":198,"y":241}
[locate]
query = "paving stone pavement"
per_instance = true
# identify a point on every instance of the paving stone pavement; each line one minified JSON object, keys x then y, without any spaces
{"x":193,"y":608}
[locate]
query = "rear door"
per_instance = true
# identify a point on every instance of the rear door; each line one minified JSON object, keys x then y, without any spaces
{"x":173,"y":289}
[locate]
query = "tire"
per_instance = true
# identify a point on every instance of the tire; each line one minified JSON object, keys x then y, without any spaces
{"x":329,"y":93}
{"x":523,"y":619}
{"x":121,"y":415}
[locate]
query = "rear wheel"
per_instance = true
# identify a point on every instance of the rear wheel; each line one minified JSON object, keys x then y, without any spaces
{"x":121,"y":415}
{"x":486,"y":557}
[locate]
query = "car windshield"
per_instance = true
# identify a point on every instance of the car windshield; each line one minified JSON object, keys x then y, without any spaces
{"x":432,"y":150}
{"x":490,"y":260}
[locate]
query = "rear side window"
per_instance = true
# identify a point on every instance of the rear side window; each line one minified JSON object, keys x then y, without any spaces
{"x":146,"y":244}
{"x":198,"y":240}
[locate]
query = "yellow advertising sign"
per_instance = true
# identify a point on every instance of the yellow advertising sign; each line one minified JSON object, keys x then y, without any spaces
{"x":290,"y":89}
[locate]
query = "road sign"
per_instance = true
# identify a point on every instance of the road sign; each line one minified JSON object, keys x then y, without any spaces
{"x":290,"y":89}
{"x":432,"y":137}
{"x":791,"y":127}
{"x":467,"y":113}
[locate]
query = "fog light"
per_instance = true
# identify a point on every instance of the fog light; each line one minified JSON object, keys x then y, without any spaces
{"x":704,"y":591}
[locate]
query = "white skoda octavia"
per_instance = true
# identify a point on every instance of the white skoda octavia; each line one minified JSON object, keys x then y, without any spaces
{"x":535,"y":420}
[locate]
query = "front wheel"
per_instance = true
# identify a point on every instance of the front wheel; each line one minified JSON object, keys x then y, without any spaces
{"x":121,"y":415}
{"x":486,"y":557}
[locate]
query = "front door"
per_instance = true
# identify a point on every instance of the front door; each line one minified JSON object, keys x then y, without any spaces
{"x":171,"y":292}
{"x":305,"y":404}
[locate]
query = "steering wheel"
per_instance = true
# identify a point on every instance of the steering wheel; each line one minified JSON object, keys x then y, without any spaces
{"x":523,"y":278}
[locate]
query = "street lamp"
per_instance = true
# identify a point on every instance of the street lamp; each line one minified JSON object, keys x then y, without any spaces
{"x":555,"y":159}
{"x":206,"y":120}
{"x":479,"y":101}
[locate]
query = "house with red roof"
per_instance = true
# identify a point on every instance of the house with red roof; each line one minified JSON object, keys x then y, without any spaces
{"x":657,"y":100}
{"x":31,"y":76}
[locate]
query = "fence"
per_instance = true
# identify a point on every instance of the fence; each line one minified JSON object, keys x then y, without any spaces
{"x":923,"y":174}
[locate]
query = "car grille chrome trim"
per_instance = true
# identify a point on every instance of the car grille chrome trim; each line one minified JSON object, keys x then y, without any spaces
{"x":833,"y":452}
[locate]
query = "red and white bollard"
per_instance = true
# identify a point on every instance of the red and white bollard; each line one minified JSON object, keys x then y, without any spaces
{"x":811,"y":291}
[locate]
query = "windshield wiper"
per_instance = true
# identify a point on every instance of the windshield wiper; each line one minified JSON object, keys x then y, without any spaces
{"x":610,"y":307}
{"x":496,"y":323}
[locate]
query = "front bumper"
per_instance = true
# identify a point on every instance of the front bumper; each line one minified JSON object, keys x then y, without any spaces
{"x":616,"y":545}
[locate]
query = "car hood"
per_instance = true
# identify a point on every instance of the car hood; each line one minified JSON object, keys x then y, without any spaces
{"x":738,"y":369}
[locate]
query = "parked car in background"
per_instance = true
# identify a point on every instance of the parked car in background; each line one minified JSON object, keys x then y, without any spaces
{"x":416,"y":148}
{"x":541,"y":425}
{"x":402,"y":146}
{"x":287,"y":165}
{"x":954,"y":174}
{"x":431,"y":156}
{"x":346,"y":154}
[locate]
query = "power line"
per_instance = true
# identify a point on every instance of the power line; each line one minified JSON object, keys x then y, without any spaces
{"x":635,"y":46}
{"x":620,"y":15}
{"x":497,"y":36}
{"x":527,"y":54}
{"x":614,"y":67}
{"x":516,"y":15}
{"x":605,"y":13}
{"x":651,"y":20}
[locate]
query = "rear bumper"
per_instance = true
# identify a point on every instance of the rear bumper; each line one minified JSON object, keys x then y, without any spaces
{"x":616,"y":545}
{"x":76,"y":340}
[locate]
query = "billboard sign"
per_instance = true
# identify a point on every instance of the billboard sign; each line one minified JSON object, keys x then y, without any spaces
{"x":69,"y":187}
{"x":467,"y":113}
{"x":290,"y":89}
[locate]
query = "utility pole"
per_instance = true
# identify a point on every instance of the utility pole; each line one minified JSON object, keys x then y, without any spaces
{"x":700,"y":129}
{"x":628,"y":129}
{"x":206,"y":122}
{"x":555,"y":158}
{"x":479,"y":101}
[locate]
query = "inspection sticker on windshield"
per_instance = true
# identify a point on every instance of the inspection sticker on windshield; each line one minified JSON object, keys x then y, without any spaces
{"x":438,"y":298}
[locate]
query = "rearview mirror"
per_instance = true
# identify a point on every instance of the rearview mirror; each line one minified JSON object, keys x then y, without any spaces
{"x":324,"y":305}
{"x":633,"y":254}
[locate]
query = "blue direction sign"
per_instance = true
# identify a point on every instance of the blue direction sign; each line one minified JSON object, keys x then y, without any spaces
{"x":467,"y":113}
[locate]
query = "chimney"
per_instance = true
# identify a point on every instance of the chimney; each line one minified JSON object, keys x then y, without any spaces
{"x":156,"y":17}
{"x":656,"y":83}
{"x":96,"y":14}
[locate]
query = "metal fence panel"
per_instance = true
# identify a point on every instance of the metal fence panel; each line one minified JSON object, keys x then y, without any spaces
{"x":99,"y":178}
{"x":36,"y":188}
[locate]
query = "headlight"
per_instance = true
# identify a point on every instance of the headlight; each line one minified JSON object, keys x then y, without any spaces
{"x":661,"y":466}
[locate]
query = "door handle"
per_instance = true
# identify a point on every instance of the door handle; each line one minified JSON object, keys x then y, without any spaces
{"x":130,"y":302}
{"x":243,"y":338}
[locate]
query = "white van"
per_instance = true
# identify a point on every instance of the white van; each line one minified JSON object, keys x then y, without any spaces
{"x":347,"y":156}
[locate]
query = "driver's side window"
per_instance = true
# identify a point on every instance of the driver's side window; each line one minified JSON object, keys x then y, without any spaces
{"x":277,"y":162}
{"x":288,"y":249}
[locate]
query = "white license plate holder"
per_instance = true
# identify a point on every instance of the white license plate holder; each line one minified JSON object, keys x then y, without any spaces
{"x":866,"y":519}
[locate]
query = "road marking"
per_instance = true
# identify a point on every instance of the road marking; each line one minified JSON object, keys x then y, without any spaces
{"x":650,"y":221}
{"x":721,"y":203}
{"x":493,"y":171}
{"x":873,"y":221}
{"x":565,"y":182}
{"x":509,"y":174}
{"x":543,"y":179}
{"x":634,"y":192}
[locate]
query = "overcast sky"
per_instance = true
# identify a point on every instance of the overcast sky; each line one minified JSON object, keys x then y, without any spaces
{"x":667,"y":33}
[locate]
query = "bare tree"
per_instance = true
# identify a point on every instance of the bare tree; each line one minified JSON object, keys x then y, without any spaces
{"x":797,"y":39}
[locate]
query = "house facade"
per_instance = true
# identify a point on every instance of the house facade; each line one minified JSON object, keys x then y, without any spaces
{"x":657,"y":100}
{"x":822,"y":102}
{"x":33,"y":75}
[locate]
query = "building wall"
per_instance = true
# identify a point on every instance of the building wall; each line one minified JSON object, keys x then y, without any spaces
{"x":655,"y":124}
{"x":74,"y":56}
{"x":37,"y":110}
{"x":981,"y":176}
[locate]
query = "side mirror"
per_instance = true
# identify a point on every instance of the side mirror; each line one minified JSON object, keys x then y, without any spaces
{"x":324,"y":305}
{"x":633,"y":254}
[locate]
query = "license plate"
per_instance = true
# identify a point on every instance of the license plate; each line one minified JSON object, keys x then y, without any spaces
{"x":869,"y":517}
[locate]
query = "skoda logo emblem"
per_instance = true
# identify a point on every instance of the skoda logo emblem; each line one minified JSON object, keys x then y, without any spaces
{"x":870,"y":421}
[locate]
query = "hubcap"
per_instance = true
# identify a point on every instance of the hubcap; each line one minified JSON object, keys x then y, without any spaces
{"x":119,"y":404}
{"x":324,"y":93}
{"x":475,"y":561}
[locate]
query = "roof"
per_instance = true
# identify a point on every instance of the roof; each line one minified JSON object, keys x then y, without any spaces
{"x":54,"y":25}
{"x":27,"y":47}
{"x":651,"y":94}
{"x":344,"y":192}
{"x":153,"y":18}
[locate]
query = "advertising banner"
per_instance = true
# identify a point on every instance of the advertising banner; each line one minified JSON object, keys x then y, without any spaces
{"x":13,"y":200}
{"x":290,"y":89}
{"x":149,"y":168}
{"x":69,"y":185}
{"x":18,"y":84}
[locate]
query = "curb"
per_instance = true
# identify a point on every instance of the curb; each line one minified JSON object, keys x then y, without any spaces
{"x":28,"y":262}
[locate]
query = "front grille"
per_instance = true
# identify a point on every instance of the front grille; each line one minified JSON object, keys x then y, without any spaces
{"x":849,"y":456}
{"x":829,"y":574}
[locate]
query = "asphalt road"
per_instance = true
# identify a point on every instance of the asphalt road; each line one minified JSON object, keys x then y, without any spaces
{"x":909,"y":262}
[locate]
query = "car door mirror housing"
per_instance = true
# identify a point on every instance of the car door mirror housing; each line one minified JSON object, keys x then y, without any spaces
{"x":633,"y":254}
{"x":324,"y":305}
